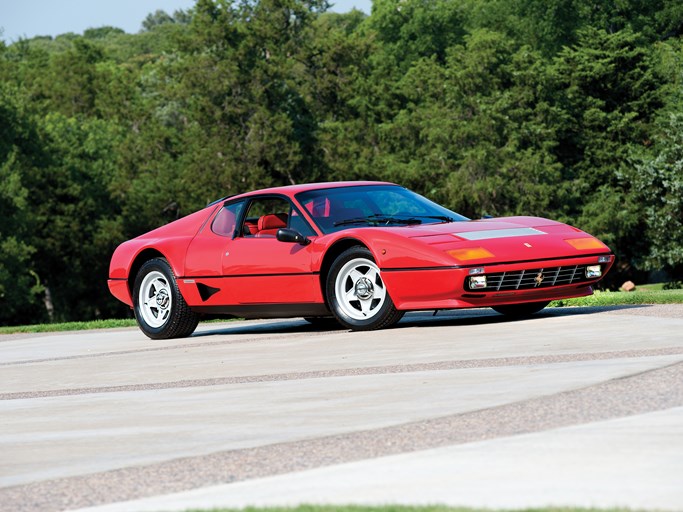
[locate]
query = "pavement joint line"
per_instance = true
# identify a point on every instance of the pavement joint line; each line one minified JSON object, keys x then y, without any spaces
{"x":347,"y":372}
{"x":660,"y":390}
{"x":159,"y":349}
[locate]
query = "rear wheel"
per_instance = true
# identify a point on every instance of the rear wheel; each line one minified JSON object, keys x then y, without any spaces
{"x":521,"y":310}
{"x":160,"y":310}
{"x":356,"y":293}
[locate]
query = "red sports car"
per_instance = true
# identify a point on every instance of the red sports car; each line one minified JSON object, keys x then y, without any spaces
{"x":362,"y":253}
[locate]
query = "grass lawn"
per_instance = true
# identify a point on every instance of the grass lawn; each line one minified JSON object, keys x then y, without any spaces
{"x":652,"y":294}
{"x":68,"y":326}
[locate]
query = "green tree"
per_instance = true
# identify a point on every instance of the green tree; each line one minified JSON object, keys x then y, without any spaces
{"x":75,"y":226}
{"x":657,"y":182}
{"x":158,"y":17}
{"x":544,"y":25}
{"x":477,"y":133}
{"x":69,"y":82}
{"x":412,"y":29}
{"x":610,"y":89}
{"x":20,"y":153}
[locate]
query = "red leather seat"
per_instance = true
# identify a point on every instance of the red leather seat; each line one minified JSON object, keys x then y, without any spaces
{"x":269,"y":224}
{"x":250,"y":228}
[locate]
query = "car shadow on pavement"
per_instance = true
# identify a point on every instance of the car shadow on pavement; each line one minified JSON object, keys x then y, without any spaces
{"x":484,"y":316}
{"x":279,"y":326}
{"x":454,"y":317}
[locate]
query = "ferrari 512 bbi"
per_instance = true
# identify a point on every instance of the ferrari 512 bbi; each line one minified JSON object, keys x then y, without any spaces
{"x":362,"y":253}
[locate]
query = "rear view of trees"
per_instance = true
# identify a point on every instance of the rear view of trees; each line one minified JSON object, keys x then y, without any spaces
{"x":563,"y":108}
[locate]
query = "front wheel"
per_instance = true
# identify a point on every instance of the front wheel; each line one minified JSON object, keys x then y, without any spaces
{"x":160,"y":309}
{"x":356,"y":293}
{"x":521,"y":310}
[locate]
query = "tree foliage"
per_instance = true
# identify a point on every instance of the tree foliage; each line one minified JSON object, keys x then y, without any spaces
{"x":562,"y":108}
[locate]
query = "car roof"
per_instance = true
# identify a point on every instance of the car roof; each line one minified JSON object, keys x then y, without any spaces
{"x":291,"y":190}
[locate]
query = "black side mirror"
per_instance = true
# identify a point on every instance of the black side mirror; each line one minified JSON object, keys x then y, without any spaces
{"x":291,"y":236}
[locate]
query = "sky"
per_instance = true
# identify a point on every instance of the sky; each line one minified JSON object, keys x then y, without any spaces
{"x":29,"y":18}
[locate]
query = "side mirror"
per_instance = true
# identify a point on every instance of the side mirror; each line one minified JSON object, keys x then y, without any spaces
{"x":291,"y":236}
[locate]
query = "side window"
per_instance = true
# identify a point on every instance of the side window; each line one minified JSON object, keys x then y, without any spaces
{"x":224,"y":223}
{"x":266,"y":215}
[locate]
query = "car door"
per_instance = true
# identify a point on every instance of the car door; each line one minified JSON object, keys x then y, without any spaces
{"x":203,"y":282}
{"x":263,"y":270}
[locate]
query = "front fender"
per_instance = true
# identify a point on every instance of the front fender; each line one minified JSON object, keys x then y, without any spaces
{"x":394,"y":251}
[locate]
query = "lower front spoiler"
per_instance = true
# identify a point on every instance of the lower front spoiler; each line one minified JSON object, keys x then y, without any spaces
{"x":482,"y":300}
{"x":478,"y":300}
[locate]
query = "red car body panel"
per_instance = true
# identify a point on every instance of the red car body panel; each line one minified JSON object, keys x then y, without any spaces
{"x":222,"y":273}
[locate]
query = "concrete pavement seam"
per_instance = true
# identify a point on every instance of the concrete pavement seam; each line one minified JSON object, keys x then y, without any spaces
{"x":369,"y":370}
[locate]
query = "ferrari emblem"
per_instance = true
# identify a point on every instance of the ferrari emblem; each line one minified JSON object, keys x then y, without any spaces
{"x":538,"y":279}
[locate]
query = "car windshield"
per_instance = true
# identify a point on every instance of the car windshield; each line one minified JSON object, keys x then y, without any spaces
{"x":334,"y":209}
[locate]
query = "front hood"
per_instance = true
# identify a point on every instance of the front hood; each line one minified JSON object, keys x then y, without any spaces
{"x":508,"y":239}
{"x":484,"y":228}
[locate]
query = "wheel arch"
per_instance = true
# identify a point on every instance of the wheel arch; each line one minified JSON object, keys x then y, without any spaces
{"x":332,"y":253}
{"x":138,"y":262}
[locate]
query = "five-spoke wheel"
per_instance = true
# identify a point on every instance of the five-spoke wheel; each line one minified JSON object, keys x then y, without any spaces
{"x":159,"y":307}
{"x":154,"y":298}
{"x":356,"y":292}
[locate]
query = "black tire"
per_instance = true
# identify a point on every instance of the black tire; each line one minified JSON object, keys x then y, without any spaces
{"x":160,"y":309}
{"x":521,"y":310}
{"x":374,"y":311}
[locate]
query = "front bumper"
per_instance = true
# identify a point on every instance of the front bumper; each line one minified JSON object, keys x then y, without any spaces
{"x":511,"y":283}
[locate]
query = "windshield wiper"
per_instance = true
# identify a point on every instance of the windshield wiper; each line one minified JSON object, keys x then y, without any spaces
{"x":377,"y":219}
{"x":442,"y":218}
{"x":359,"y":220}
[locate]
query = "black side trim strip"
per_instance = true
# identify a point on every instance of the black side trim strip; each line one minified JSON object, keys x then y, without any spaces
{"x":419,"y":269}
{"x":251,"y":275}
{"x":266,"y":310}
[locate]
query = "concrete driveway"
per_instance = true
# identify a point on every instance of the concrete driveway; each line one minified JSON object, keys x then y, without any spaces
{"x":574,"y":407}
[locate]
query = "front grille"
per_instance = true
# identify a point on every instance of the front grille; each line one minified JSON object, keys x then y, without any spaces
{"x":531,"y":278}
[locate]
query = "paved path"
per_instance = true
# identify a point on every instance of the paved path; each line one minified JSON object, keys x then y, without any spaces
{"x":574,"y":407}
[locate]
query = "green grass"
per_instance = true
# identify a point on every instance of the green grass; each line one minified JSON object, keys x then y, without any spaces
{"x":68,"y":326}
{"x":651,"y":294}
{"x":651,"y":287}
